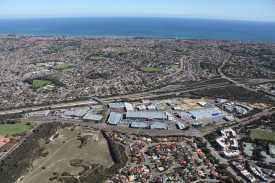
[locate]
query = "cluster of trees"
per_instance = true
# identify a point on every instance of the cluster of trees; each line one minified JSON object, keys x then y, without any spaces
{"x":7,"y":117}
{"x":20,"y":160}
{"x":54,"y":79}
{"x":234,"y":93}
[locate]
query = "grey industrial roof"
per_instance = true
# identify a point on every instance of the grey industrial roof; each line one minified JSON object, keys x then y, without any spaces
{"x":116,"y":105}
{"x":139,"y":125}
{"x":172,"y":103}
{"x":114,"y":118}
{"x":39,"y":113}
{"x":128,"y":106}
{"x":79,"y":112}
{"x":158,"y":125}
{"x":146,"y":115}
{"x":206,"y":112}
{"x":183,"y":114}
{"x":158,"y":105}
{"x":92,"y":117}
{"x":145,"y":100}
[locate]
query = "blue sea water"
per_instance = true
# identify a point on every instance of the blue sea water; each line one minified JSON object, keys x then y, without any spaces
{"x":143,"y":27}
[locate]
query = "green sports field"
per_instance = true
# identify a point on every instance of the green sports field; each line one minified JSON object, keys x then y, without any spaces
{"x":262,"y":134}
{"x":150,"y":69}
{"x":96,"y":58}
{"x":11,"y":129}
{"x":40,"y":83}
{"x":59,"y":67}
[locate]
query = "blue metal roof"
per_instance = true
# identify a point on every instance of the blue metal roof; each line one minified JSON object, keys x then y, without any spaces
{"x":138,"y":125}
{"x":114,"y":118}
{"x":158,"y":125}
{"x":203,"y":113}
{"x":146,"y":115}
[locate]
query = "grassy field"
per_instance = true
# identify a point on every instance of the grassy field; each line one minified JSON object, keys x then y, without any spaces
{"x":11,"y":129}
{"x":262,"y":134}
{"x":174,"y":66}
{"x":59,"y":67}
{"x":96,"y":58}
{"x":65,"y":148}
{"x":40,"y":83}
{"x":150,"y":69}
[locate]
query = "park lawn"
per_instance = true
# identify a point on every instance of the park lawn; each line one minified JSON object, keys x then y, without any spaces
{"x":40,"y":83}
{"x":11,"y":129}
{"x":96,"y":58}
{"x":174,"y":66}
{"x":262,"y":134}
{"x":150,"y":69}
{"x":59,"y":67}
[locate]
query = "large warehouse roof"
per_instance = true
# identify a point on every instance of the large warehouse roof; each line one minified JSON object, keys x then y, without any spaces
{"x":158,"y":126}
{"x":146,"y":115}
{"x":138,"y":125}
{"x":78,"y":112}
{"x":39,"y":113}
{"x":128,"y":106}
{"x":206,"y":112}
{"x":116,"y":105}
{"x":114,"y":118}
{"x":92,"y":117}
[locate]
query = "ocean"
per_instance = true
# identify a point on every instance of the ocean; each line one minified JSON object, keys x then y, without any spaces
{"x":143,"y":27}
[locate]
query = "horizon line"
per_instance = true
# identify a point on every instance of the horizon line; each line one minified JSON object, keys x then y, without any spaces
{"x":132,"y":16}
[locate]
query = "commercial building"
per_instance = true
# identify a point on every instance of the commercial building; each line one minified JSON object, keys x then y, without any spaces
{"x":151,"y":107}
{"x":159,"y":126}
{"x":138,"y":125}
{"x":159,"y":106}
{"x":147,"y":115}
{"x":228,"y":143}
{"x":92,"y":117}
{"x":202,"y":104}
{"x":39,"y":113}
{"x":229,"y":118}
{"x":171,"y":103}
{"x":180,"y":126}
{"x":145,"y":101}
{"x":183,"y":114}
{"x":204,"y":113}
{"x":141,"y":107}
{"x":178,"y":108}
{"x":76,"y":112}
{"x":114,"y":118}
{"x":119,"y":107}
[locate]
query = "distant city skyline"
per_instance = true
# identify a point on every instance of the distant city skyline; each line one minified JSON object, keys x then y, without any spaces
{"x":256,"y":10}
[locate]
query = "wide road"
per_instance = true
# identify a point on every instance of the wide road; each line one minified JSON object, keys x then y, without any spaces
{"x":52,"y":106}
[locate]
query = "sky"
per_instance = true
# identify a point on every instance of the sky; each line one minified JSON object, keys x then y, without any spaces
{"x":257,"y":10}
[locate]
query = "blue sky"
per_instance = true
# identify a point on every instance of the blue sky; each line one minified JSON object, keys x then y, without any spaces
{"x":259,"y":10}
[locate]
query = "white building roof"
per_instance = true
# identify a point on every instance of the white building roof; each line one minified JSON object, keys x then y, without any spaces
{"x":147,"y":115}
{"x":206,"y":112}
